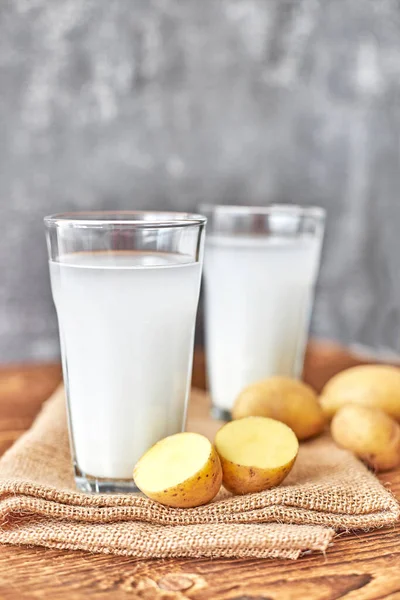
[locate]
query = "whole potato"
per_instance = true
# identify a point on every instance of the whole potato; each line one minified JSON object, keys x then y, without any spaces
{"x":369,"y":385}
{"x":369,"y":433}
{"x":287,"y":400}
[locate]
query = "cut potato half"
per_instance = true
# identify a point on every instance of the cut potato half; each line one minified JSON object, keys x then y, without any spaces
{"x":182,"y":470}
{"x":256,"y":453}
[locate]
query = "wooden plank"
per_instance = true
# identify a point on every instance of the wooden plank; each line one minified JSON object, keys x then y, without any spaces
{"x":359,"y":567}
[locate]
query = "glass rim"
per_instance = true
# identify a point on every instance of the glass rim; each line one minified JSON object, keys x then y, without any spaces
{"x":295,"y":210}
{"x":140,"y":219}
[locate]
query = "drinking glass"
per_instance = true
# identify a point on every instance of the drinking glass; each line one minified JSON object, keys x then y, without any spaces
{"x":260,"y":268}
{"x":126,"y":287}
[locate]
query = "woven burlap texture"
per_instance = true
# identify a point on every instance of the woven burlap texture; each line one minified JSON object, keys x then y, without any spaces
{"x":327,"y":490}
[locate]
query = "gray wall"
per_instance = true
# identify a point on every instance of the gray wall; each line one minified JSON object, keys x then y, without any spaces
{"x":165,"y":103}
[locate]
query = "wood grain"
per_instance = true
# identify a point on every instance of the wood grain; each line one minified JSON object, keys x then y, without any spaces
{"x":357,"y":567}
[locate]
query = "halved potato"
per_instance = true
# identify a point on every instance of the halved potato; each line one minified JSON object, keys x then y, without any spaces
{"x":256,"y":453}
{"x":288,"y":400}
{"x":182,"y":470}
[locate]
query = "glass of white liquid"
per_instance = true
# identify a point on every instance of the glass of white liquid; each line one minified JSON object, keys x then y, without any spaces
{"x":260,"y":269}
{"x":126,"y":287}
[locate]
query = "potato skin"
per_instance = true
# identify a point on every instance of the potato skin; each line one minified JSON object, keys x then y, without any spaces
{"x":246,"y":480}
{"x":199,"y":489}
{"x":287,"y":400}
{"x":368,"y":385}
{"x":370,"y":433}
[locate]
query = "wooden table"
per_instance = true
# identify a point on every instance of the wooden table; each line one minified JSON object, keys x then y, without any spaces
{"x":359,"y":567}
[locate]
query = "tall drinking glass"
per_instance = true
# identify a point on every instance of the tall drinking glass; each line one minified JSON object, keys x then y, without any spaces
{"x":126,"y":287}
{"x":260,"y":269}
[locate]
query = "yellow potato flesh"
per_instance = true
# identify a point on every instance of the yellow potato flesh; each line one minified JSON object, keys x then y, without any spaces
{"x":256,"y":453}
{"x":284,"y":399}
{"x":182,"y":470}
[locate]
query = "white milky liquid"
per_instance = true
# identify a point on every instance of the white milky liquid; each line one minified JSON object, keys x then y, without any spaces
{"x":258,"y":296}
{"x":126,"y":328}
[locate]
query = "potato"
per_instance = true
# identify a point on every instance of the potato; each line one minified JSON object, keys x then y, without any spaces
{"x":182,"y":470}
{"x":284,"y":399}
{"x":369,"y":433}
{"x":256,"y":453}
{"x":369,"y":385}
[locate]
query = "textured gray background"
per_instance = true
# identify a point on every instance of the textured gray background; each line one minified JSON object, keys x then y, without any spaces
{"x":165,"y":103}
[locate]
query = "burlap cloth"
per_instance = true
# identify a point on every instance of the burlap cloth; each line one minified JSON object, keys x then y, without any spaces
{"x":327,"y":490}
